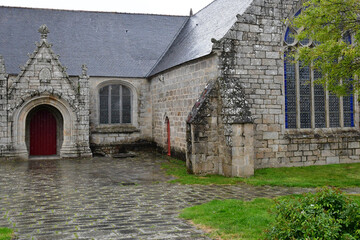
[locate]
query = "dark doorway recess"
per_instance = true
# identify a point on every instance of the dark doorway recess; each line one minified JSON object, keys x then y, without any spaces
{"x":44,"y":131}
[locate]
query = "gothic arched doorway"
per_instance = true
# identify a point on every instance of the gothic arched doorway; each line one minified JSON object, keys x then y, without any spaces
{"x":44,"y":127}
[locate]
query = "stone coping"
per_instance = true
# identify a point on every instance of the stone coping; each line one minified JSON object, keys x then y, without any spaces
{"x":123,"y":128}
{"x":321,"y":133}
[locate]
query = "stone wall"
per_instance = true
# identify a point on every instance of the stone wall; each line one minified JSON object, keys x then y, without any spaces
{"x":107,"y":138}
{"x":260,"y":67}
{"x":173,"y":94}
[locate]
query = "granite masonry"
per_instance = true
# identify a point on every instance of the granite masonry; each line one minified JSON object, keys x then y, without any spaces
{"x":211,"y":88}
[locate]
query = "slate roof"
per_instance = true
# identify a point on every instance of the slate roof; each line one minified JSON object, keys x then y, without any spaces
{"x":116,"y":44}
{"x":194,"y":41}
{"x":111,"y":44}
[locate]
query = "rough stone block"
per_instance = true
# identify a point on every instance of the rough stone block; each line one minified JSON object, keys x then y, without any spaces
{"x":353,"y":145}
{"x":270,"y":135}
{"x":332,"y":160}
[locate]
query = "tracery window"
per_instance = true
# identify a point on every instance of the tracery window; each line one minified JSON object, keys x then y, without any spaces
{"x":307,"y":104}
{"x":115,"y":104}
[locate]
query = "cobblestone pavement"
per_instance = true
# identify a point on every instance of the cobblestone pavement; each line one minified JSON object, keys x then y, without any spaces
{"x":105,"y":198}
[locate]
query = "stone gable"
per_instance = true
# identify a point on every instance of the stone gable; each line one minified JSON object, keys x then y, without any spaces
{"x":42,"y":74}
{"x":44,"y":83}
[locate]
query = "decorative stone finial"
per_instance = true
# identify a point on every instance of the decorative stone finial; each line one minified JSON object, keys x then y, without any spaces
{"x":84,"y":70}
{"x":43,"y":30}
{"x":191,"y":12}
{"x":2,"y":65}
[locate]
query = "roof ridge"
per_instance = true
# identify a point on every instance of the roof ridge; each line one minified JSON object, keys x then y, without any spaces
{"x":205,"y":7}
{"x":91,"y":11}
{"x":168,"y":47}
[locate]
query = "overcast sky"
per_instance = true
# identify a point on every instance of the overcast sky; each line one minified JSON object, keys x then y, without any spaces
{"x":169,"y":7}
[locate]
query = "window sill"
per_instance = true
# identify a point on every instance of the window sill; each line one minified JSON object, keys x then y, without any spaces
{"x":321,"y":132}
{"x":122,"y":128}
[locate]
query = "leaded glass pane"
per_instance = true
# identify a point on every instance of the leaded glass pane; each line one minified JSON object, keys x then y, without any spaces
{"x":290,"y":94}
{"x":348,"y":107}
{"x":305,"y":106}
{"x":104,"y":104}
{"x":291,"y":120}
{"x":104,"y":116}
{"x":320,"y":120}
{"x":304,"y":73}
{"x":125,"y":91}
{"x":305,"y":41}
{"x":291,"y":104}
{"x":348,"y":119}
{"x":115,"y":109}
{"x":289,"y":36}
{"x":347,"y":38}
{"x":347,"y":104}
{"x":115,"y":104}
{"x":126,"y":109}
{"x":305,"y":120}
{"x":115,"y":90}
{"x":319,"y":102}
{"x":334,"y":115}
{"x":126,"y":105}
{"x":104,"y":91}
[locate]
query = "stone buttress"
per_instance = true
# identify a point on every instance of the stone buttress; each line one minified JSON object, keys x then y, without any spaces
{"x":220,"y":130}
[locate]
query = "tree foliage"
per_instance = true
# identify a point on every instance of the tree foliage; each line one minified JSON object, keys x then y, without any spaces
{"x":329,"y":23}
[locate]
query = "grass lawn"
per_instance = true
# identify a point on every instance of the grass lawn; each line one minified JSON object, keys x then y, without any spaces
{"x":235,"y":219}
{"x":232,"y":219}
{"x":6,"y":234}
{"x":337,"y":175}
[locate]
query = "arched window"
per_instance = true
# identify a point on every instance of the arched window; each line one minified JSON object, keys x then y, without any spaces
{"x":307,"y":104}
{"x":115,"y":104}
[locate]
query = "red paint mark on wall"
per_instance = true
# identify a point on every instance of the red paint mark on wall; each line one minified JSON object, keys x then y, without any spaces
{"x":167,"y":121}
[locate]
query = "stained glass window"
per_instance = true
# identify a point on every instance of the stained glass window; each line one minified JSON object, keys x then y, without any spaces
{"x":115,"y":104}
{"x":307,"y":103}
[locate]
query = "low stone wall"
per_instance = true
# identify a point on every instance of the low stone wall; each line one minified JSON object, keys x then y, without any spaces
{"x":314,"y":147}
{"x":116,"y":148}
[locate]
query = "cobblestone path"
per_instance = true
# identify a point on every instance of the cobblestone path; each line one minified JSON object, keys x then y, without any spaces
{"x":105,"y":198}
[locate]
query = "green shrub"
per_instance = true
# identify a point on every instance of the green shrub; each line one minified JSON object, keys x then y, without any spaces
{"x":327,"y":214}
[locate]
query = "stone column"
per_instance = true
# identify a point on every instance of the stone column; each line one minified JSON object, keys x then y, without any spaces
{"x":84,"y":105}
{"x":3,"y":108}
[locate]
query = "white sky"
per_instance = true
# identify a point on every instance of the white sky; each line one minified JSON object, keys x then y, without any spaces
{"x":168,"y":7}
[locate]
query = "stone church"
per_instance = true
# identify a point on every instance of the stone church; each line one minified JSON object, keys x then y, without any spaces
{"x":214,"y":88}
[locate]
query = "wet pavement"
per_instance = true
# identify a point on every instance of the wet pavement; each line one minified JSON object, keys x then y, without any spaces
{"x":104,"y":198}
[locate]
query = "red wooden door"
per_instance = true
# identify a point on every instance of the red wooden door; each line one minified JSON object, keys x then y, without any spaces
{"x":43,"y":133}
